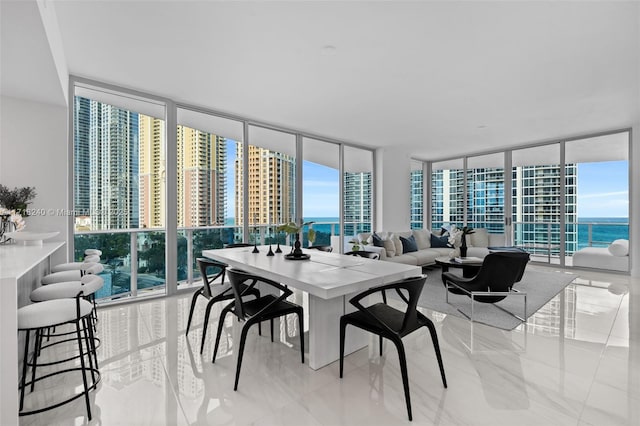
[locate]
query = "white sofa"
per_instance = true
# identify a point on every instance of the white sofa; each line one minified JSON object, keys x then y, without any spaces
{"x":612,"y":258}
{"x":425,"y":255}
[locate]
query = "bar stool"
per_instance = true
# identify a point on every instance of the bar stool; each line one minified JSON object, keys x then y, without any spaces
{"x":73,"y":275}
{"x":88,"y":285}
{"x":72,"y":266}
{"x":52,"y":313}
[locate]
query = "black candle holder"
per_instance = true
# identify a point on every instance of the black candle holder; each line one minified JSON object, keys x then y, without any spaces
{"x":270,"y":253}
{"x":278,"y":249}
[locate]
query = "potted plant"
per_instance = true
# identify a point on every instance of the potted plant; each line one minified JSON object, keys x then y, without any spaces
{"x":292,"y":228}
{"x":17,"y":198}
{"x":356,"y":244}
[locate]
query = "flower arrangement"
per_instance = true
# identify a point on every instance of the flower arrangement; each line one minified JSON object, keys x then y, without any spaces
{"x":457,"y":235}
{"x":13,"y":217}
{"x":17,"y":199}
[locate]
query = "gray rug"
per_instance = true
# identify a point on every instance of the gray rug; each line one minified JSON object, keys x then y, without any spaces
{"x":539,"y":286}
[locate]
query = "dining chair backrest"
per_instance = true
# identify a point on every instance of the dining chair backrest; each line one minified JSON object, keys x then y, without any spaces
{"x":238,"y":278}
{"x":411,"y":288}
{"x":328,"y":249}
{"x":204,"y":264}
{"x":362,"y":253}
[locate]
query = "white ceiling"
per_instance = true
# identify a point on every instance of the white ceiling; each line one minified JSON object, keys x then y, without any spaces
{"x":437,"y":78}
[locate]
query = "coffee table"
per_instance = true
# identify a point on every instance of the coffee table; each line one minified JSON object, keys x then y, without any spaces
{"x":470,"y":267}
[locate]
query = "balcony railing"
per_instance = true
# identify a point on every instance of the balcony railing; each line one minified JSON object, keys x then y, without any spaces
{"x":134,"y":259}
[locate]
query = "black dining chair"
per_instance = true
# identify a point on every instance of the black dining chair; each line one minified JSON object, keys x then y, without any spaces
{"x":494,"y":281}
{"x":362,"y":253}
{"x":234,"y":245}
{"x":250,"y":312}
{"x":224,"y":292}
{"x":328,"y":249}
{"x":393,"y":324}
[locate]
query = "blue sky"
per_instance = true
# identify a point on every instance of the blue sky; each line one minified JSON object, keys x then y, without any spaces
{"x":603,"y":189}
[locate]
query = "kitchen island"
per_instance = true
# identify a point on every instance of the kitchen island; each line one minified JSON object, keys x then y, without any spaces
{"x":21,"y":267}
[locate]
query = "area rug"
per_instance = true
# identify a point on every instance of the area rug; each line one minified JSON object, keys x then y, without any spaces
{"x":540,"y":287}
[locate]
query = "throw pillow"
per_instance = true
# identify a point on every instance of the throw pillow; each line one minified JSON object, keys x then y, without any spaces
{"x":396,"y":240}
{"x":377,"y":241}
{"x":619,"y":248}
{"x":479,"y":238}
{"x":389,"y":247}
{"x":408,"y":244}
{"x":423,"y":238}
{"x":440,"y":242}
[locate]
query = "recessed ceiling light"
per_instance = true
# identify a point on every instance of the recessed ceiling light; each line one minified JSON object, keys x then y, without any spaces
{"x":482,"y":126}
{"x":328,"y":50}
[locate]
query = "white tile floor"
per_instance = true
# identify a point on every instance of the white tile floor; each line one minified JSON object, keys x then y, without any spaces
{"x":577,"y":362}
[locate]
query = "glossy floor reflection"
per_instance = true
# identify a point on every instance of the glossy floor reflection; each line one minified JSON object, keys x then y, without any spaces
{"x":577,"y":362}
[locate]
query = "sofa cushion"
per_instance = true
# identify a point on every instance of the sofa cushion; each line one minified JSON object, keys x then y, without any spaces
{"x":396,"y":240}
{"x":406,"y":259}
{"x":619,"y":248}
{"x":408,"y":244}
{"x":389,"y":247}
{"x":377,"y":240}
{"x":423,"y":238}
{"x":440,"y":242}
{"x":479,"y":238}
{"x":426,"y":256}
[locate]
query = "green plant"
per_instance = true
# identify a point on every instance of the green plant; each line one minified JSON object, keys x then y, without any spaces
{"x":356,"y":244}
{"x":292,"y":228}
{"x":17,"y":198}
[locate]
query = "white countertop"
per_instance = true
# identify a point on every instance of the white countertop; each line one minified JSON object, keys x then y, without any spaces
{"x":17,"y":259}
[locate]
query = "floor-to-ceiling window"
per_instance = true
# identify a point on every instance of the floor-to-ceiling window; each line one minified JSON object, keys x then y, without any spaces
{"x":119,"y":192}
{"x":235,"y":180}
{"x":600,"y":201}
{"x":206,"y":160}
{"x":485,"y":192}
{"x":417,"y":195}
{"x":321,"y":189}
{"x":357,"y":190}
{"x":447,"y":193}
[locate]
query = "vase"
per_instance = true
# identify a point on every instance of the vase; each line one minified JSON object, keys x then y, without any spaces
{"x":6,"y":225}
{"x":297,"y":251}
{"x":463,"y":247}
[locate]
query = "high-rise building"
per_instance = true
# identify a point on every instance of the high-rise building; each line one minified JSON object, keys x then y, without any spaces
{"x":113,"y":166}
{"x":536,"y":198}
{"x":271,"y":186}
{"x":152,"y":172}
{"x":81,"y":169}
{"x":357,"y":202}
{"x":202,"y":180}
{"x":417,"y":199}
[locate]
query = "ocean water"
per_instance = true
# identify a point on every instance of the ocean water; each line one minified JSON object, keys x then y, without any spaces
{"x":604,"y":230}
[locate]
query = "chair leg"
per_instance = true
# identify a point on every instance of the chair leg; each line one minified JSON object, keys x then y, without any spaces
{"x":84,"y":371}
{"x":301,"y":325}
{"x":205,"y":325}
{"x":384,"y":297}
{"x":36,"y":351}
{"x":86,"y":325}
{"x":380,"y":337}
{"x":436,"y":347}
{"x":243,"y":338}
{"x":343,"y":326}
{"x":223,"y":315}
{"x":405,"y":377}
{"x":271,"y":328}
{"x":24,"y":368}
{"x":193,"y":305}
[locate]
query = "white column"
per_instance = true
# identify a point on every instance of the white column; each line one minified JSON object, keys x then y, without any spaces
{"x":393,"y":179}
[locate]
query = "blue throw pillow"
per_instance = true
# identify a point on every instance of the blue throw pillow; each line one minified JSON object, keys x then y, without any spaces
{"x":440,"y":242}
{"x":408,"y":244}
{"x":377,"y":241}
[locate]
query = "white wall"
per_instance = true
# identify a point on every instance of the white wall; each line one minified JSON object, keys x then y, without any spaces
{"x":393,"y":201}
{"x":33,"y":152}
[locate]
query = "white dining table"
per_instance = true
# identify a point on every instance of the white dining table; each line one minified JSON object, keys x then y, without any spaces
{"x":330,"y":279}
